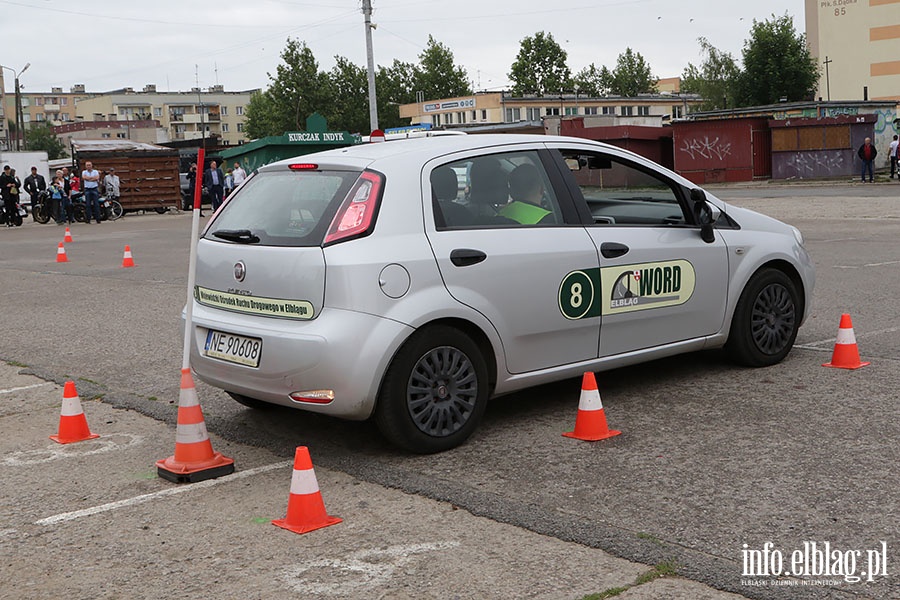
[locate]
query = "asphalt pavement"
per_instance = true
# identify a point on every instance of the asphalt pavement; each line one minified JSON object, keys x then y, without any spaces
{"x":715,"y":464}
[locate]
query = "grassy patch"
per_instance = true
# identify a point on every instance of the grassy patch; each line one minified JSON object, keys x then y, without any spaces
{"x":610,"y":593}
{"x":153,"y":398}
{"x":664,"y":569}
{"x":85,"y":379}
{"x":650,"y":538}
{"x":15,"y":363}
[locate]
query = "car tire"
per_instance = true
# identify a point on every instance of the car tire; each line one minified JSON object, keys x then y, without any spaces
{"x":250,"y":402}
{"x":765,"y":321}
{"x":434,"y":392}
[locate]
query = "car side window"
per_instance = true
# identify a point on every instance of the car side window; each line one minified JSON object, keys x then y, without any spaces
{"x":621,"y":193}
{"x":510,"y":189}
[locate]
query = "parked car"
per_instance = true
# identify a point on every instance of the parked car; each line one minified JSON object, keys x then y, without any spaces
{"x":410,"y":281}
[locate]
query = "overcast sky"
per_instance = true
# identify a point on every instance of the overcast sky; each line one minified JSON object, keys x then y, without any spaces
{"x":178,"y":44}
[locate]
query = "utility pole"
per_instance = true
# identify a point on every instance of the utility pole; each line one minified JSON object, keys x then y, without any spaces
{"x":202,"y":125}
{"x":20,"y":117}
{"x":827,"y":81}
{"x":373,"y":105}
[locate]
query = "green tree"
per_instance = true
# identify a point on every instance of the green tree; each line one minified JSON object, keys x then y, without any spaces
{"x":593,"y":82}
{"x":715,"y":80}
{"x":394,"y":85}
{"x":349,"y":110}
{"x":632,"y":75}
{"x":259,"y":117}
{"x":437,"y":76}
{"x":297,"y":90}
{"x":777,"y":64}
{"x":540,"y":67}
{"x":41,"y":137}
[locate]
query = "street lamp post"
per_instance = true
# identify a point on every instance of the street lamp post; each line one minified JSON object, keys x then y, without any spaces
{"x":18,"y":109}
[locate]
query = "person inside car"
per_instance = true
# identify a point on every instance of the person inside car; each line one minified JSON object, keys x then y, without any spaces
{"x":527,"y":192}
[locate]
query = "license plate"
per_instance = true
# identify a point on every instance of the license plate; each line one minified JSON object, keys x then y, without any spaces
{"x":233,"y":348}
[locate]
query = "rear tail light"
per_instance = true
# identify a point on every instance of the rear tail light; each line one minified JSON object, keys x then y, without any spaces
{"x":356,"y":216}
{"x":313,"y":396}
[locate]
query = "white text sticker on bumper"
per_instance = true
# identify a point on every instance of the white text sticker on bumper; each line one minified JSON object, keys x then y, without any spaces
{"x":233,"y":348}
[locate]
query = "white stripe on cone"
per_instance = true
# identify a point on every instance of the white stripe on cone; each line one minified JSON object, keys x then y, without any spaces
{"x":188,"y":397}
{"x":304,"y":482}
{"x":845,"y":336}
{"x":71,"y":407}
{"x":590,"y":400}
{"x":191,"y":433}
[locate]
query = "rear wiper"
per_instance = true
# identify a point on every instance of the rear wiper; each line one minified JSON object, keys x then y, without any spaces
{"x":241,"y":236}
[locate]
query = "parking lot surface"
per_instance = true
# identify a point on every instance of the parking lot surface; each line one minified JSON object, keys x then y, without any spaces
{"x":714,"y":462}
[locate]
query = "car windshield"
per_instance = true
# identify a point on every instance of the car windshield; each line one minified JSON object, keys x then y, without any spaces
{"x":283,"y":208}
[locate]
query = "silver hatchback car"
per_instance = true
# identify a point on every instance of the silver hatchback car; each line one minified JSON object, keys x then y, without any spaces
{"x":412,"y":280}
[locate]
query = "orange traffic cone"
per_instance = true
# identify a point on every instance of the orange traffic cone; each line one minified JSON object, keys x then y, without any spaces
{"x":61,"y":253}
{"x":194,"y":459}
{"x":73,"y":425}
{"x":590,"y":424}
{"x":68,"y":237}
{"x":127,"y":261}
{"x":306,"y":509}
{"x":846,"y":354}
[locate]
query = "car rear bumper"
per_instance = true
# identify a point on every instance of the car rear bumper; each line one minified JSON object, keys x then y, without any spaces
{"x":343,"y":351}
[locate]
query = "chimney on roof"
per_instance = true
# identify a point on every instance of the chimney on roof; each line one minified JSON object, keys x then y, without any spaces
{"x":78,"y":88}
{"x":128,"y":90}
{"x":195,"y":90}
{"x":213,"y":89}
{"x":56,"y":90}
{"x":150,"y":87}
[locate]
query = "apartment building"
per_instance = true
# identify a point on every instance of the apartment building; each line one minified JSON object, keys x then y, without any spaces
{"x":494,"y":108}
{"x":182,"y":115}
{"x":857,"y":46}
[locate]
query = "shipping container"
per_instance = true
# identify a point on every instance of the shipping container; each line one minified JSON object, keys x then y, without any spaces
{"x":148,"y":173}
{"x":722,"y":150}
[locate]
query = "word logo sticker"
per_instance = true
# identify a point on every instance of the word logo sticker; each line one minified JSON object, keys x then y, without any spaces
{"x":613,"y":290}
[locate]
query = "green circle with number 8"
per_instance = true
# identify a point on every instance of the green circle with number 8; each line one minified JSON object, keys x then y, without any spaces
{"x":576,"y":295}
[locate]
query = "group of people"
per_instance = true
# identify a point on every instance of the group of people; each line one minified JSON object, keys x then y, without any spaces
{"x":867,"y":153}
{"x":63,"y":187}
{"x":218,"y":184}
{"x":10,"y":187}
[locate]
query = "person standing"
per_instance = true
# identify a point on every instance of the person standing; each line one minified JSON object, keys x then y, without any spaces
{"x":214,"y":180}
{"x":229,"y":182}
{"x":239,"y":174}
{"x":34,"y":185}
{"x":90,"y":178}
{"x":61,"y":200}
{"x":8,"y":193}
{"x":867,"y":153}
{"x":894,"y":154}
{"x":111,"y":182}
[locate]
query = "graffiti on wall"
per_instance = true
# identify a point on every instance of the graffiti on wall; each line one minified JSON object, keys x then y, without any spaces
{"x":706,"y":148}
{"x":816,"y":164}
{"x":841,"y":111}
{"x":887,"y":124}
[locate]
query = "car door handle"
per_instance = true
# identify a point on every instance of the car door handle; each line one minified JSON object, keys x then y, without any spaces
{"x":613,"y":249}
{"x":464,"y":257}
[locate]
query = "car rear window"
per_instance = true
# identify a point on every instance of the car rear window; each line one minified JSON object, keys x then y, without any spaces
{"x":284,"y":208}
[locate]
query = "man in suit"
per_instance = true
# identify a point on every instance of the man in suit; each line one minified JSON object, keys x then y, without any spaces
{"x":34,"y":185}
{"x":214,"y":181}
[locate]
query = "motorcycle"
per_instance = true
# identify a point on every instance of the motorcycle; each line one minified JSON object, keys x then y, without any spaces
{"x":15,"y":219}
{"x":41,"y":208}
{"x":110,"y":208}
